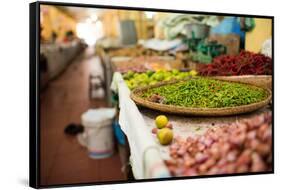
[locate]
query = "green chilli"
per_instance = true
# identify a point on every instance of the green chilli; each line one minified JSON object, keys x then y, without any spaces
{"x":201,"y":92}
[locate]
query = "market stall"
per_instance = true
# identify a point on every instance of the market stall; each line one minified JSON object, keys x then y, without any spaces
{"x":139,"y":124}
{"x":220,"y":59}
{"x":156,"y":94}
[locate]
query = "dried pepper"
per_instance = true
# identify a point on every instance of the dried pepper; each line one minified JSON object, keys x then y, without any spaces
{"x":245,"y":63}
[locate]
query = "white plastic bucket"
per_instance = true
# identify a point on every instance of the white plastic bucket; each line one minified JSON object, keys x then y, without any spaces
{"x":98,"y":133}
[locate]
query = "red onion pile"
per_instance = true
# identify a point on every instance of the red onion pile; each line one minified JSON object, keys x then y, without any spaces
{"x":236,"y":148}
{"x":245,"y":63}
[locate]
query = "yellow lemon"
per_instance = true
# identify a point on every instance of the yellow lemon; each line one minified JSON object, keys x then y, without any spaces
{"x":161,"y":121}
{"x":165,"y":136}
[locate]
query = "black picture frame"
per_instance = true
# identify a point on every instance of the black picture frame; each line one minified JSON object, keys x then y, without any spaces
{"x":34,"y":92}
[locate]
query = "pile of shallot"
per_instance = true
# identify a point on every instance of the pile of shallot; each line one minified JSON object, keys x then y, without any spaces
{"x":240,"y":147}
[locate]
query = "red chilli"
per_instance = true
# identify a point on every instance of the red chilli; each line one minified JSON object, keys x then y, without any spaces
{"x":245,"y":63}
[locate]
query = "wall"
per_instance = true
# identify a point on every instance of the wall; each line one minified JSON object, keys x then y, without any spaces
{"x":258,"y":35}
{"x":158,"y":30}
{"x":111,"y":18}
{"x":53,"y":19}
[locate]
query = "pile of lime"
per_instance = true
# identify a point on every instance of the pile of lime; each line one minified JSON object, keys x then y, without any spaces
{"x":134,"y":80}
{"x":163,"y":130}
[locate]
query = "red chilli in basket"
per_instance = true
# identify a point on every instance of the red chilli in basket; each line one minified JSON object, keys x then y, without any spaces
{"x":245,"y":63}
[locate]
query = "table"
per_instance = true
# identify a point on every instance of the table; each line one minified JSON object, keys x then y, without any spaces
{"x":147,"y":155}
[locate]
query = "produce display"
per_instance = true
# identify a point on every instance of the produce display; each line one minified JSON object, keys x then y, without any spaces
{"x":143,"y":63}
{"x":213,"y":124}
{"x":132,"y":68}
{"x":134,"y":80}
{"x":235,"y":148}
{"x":135,"y":51}
{"x":245,"y":63}
{"x":200,"y":92}
{"x":163,"y":130}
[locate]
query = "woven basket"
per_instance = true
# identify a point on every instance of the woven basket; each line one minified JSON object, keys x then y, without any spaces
{"x":135,"y":95}
{"x":264,"y":81}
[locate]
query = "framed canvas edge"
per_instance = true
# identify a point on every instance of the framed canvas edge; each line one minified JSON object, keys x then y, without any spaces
{"x":34,"y":96}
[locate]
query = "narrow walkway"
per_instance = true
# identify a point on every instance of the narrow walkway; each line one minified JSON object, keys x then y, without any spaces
{"x":63,"y":160}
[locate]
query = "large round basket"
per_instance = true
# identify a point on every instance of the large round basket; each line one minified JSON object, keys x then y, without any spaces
{"x":135,"y":95}
{"x":264,"y":81}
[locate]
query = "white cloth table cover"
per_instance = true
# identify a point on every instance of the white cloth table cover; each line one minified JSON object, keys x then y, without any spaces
{"x":145,"y":157}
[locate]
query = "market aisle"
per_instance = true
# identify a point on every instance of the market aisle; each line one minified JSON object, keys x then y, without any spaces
{"x":63,"y":160}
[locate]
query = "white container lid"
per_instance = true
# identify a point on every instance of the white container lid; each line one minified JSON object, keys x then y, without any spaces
{"x":98,"y":117}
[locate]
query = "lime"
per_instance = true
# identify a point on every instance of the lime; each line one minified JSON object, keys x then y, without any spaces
{"x":192,"y":72}
{"x":165,"y":136}
{"x":175,"y":71}
{"x":161,"y":121}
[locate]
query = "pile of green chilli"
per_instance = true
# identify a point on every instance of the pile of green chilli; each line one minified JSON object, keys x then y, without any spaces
{"x":206,"y":93}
